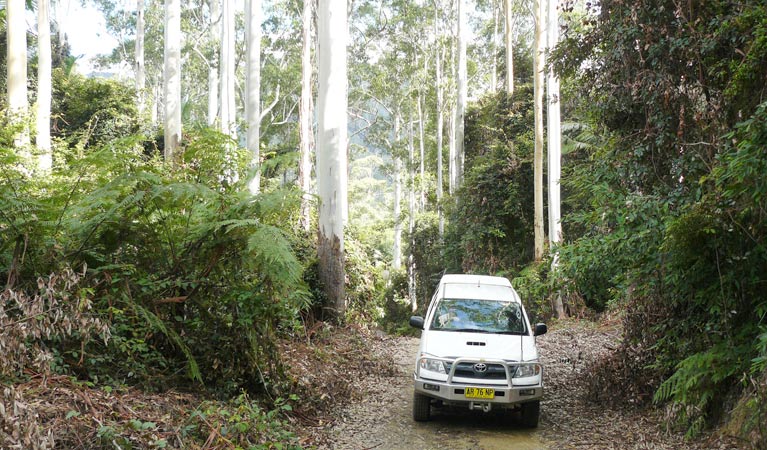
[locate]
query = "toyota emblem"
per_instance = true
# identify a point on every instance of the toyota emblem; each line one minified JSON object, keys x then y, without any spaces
{"x":480,"y":368}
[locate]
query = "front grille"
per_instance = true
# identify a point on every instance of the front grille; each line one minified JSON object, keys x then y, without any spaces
{"x":466,"y":370}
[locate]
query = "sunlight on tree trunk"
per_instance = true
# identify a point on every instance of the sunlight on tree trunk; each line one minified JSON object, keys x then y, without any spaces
{"x":554,"y":146}
{"x":461,"y":78}
{"x":44,"y":87}
{"x":331,"y":151}
{"x":422,"y":148}
{"x":397,"y":251}
{"x":172,"y":78}
{"x":439,"y":115}
{"x":253,"y":89}
{"x":411,"y":224}
{"x":494,"y":52}
{"x":227,"y":73}
{"x":140,"y":73}
{"x":306,"y":134}
{"x":508,"y":36}
{"x":214,"y":34}
{"x":538,"y":49}
{"x":18,"y":106}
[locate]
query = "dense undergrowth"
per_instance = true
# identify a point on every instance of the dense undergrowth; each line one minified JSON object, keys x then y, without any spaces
{"x":664,"y":204}
{"x":122,"y":272}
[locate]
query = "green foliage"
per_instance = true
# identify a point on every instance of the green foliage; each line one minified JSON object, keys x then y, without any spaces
{"x":91,"y":111}
{"x":533,"y":284}
{"x":667,"y":210}
{"x":492,"y":216}
{"x":194,"y":274}
{"x":242,"y":423}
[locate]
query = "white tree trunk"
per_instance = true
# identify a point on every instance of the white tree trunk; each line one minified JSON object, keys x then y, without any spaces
{"x":43,"y":141}
{"x":439,"y":117}
{"x":411,"y":172}
{"x":411,"y":210}
{"x":462,"y":90}
{"x":172,"y":78}
{"x":214,"y":33}
{"x":554,"y":131}
{"x":306,"y":134}
{"x":253,"y":18}
{"x":422,"y":148}
{"x":397,"y":250}
{"x":554,"y":147}
{"x":538,"y":68}
{"x":494,"y":51}
{"x":331,"y":150}
{"x":228,"y":105}
{"x":508,"y":36}
{"x":140,"y":72}
{"x":18,"y":106}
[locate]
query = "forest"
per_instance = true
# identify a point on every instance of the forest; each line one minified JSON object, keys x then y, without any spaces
{"x":195,"y":248}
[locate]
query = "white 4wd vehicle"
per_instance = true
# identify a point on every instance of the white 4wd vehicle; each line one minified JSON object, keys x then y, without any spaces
{"x":477,"y":350}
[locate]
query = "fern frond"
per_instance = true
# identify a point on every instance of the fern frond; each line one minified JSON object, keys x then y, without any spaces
{"x":158,"y":324}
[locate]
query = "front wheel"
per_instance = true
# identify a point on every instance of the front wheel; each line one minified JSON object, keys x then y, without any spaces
{"x":531,"y":411}
{"x":421,"y":407}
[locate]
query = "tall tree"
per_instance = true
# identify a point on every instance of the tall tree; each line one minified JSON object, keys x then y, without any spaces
{"x":16,"y":30}
{"x":172,"y":78}
{"x":397,"y":250}
{"x":508,"y":31}
{"x":253,"y":88}
{"x":214,"y":34}
{"x":306,"y":134}
{"x":538,"y":76}
{"x":494,"y":70}
{"x":140,"y":72}
{"x":44,"y":86}
{"x":554,"y":144}
{"x":439,"y":113}
{"x":462,"y":80}
{"x":331,"y":150}
{"x":227,"y":66}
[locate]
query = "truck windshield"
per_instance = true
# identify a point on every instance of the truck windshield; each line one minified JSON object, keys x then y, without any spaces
{"x":488,"y":316}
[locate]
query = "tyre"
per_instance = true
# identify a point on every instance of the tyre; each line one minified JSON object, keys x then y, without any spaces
{"x":531,"y":411}
{"x":421,"y":407}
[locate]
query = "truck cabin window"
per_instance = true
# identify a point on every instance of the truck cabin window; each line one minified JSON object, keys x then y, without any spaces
{"x":488,"y":316}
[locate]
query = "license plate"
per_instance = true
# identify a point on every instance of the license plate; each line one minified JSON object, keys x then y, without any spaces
{"x":483,"y":393}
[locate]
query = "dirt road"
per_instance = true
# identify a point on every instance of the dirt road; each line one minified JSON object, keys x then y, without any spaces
{"x":383,"y":420}
{"x":381,"y":417}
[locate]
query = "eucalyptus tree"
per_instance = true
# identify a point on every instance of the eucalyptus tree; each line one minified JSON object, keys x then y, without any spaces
{"x":253,"y":88}
{"x":227,"y":76}
{"x":44,"y":86}
{"x":172,"y":76}
{"x":331,"y":150}
{"x":538,"y":69}
{"x":214,"y":35}
{"x":18,"y":106}
{"x":461,"y":80}
{"x":439,"y":113}
{"x":139,"y":64}
{"x":306,"y":135}
{"x":554,"y":140}
{"x":508,"y":31}
{"x":554,"y":128}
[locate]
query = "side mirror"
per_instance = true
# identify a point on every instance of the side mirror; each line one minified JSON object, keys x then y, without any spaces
{"x":416,"y":322}
{"x":540,"y":328}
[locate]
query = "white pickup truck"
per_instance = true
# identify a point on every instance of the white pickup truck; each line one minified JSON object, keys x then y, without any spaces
{"x":477,"y":350}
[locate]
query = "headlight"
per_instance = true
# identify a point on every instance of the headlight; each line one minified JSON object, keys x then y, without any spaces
{"x":433,"y":365}
{"x":527,"y":370}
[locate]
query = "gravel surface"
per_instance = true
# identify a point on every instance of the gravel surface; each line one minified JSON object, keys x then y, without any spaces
{"x":380,"y":416}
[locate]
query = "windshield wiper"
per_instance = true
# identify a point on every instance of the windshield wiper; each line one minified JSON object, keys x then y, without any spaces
{"x":470,"y":330}
{"x":513,"y":333}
